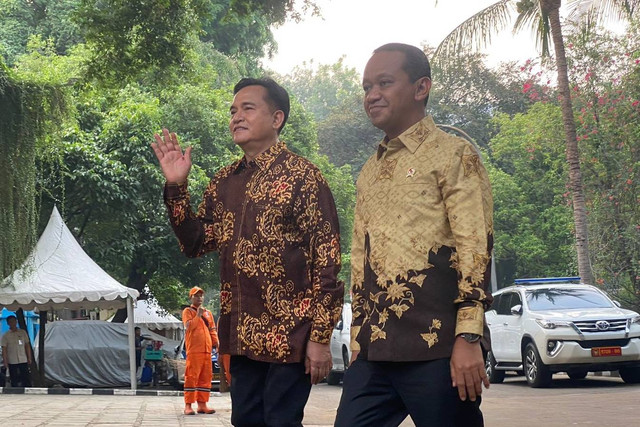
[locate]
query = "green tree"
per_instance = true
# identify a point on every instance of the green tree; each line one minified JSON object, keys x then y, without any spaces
{"x":31,"y":108}
{"x":605,"y":88}
{"x":543,"y":17}
{"x":50,"y":19}
{"x":532,"y":214}
{"x":465,"y":93}
{"x":323,"y":88}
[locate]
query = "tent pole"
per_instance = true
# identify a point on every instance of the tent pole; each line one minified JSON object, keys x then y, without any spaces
{"x":132,"y":345}
{"x":43,"y":324}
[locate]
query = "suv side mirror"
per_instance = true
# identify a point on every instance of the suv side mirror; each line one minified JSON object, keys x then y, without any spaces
{"x":617,"y":304}
{"x":516,"y":310}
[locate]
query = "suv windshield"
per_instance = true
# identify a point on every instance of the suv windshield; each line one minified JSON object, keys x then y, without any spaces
{"x":563,"y":299}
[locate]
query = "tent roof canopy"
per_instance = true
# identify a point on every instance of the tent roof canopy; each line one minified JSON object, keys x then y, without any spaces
{"x":150,"y":315}
{"x":60,"y":274}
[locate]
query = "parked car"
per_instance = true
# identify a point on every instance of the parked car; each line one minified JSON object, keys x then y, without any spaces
{"x":179,"y":363}
{"x":545,"y":326}
{"x":340,"y":346}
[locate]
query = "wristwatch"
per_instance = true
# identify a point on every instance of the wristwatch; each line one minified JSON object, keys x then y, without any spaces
{"x":470,"y":338}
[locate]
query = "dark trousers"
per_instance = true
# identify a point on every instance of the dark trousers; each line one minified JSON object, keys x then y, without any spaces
{"x":19,"y":373}
{"x":382,"y":394}
{"x":267,"y":394}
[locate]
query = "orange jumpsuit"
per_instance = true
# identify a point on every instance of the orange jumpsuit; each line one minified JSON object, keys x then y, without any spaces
{"x":200,"y":339}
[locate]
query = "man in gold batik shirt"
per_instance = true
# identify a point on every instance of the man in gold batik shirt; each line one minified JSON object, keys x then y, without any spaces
{"x":272,"y":218}
{"x":421,"y":257}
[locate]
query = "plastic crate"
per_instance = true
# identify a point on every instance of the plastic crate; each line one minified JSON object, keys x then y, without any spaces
{"x":153,"y":354}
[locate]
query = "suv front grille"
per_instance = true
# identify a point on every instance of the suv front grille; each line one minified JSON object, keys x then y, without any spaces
{"x":604,"y":343}
{"x":592,"y":325}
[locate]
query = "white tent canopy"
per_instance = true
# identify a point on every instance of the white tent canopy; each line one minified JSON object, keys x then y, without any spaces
{"x":59,"y":274}
{"x":149,"y":314}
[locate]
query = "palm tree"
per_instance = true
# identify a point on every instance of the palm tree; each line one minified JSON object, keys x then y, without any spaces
{"x":543,"y":17}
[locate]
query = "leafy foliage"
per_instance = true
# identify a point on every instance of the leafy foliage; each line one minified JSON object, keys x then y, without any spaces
{"x":606,"y":70}
{"x":27,"y":111}
{"x":533,"y":226}
{"x":130,"y":37}
{"x":49,"y":19}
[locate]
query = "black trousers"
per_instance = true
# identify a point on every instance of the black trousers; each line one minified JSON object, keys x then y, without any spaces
{"x":267,"y":394}
{"x":382,"y":394}
{"x":19,"y":373}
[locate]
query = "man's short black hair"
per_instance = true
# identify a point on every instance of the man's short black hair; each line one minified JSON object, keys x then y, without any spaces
{"x":276,"y":94}
{"x":137,"y":327}
{"x":416,"y":63}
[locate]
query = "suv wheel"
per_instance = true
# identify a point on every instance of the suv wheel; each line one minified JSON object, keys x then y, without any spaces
{"x":334,"y":378}
{"x":630,"y":375}
{"x":537,"y":373}
{"x":345,"y":357}
{"x":495,"y":376}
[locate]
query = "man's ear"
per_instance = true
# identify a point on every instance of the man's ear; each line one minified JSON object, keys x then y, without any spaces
{"x":278,"y":118}
{"x":423,"y":86}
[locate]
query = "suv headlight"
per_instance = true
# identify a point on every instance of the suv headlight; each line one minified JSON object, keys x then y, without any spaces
{"x":552,"y":324}
{"x":635,"y":319}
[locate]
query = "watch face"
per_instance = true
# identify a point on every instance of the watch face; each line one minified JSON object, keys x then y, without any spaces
{"x":471,"y":338}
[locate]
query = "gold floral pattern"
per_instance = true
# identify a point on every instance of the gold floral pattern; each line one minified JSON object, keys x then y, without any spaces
{"x":386,"y":169}
{"x":471,"y":164}
{"x":423,"y":235}
{"x":431,"y":337}
{"x":225,"y":298}
{"x":273,"y":222}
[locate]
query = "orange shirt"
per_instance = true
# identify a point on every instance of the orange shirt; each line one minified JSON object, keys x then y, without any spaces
{"x":199,"y":338}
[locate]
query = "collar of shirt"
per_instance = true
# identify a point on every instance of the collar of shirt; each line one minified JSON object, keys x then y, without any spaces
{"x":265,"y":159}
{"x":410,"y":139}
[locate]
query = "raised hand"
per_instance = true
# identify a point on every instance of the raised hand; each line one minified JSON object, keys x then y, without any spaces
{"x":174,"y":163}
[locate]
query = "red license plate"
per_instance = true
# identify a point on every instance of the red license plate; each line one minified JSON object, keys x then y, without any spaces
{"x":606,"y":351}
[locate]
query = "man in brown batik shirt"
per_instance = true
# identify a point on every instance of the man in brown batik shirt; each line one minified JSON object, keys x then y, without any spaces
{"x":421,"y":257}
{"x":272,"y":218}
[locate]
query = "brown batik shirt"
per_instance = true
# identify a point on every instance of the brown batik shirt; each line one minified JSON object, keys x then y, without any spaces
{"x":421,"y":249}
{"x":274,"y":222}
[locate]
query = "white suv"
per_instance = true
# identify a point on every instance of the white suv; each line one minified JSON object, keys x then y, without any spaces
{"x":340,"y":346}
{"x":544,"y":326}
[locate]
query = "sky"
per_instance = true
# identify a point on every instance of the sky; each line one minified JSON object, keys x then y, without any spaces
{"x":354,"y":28}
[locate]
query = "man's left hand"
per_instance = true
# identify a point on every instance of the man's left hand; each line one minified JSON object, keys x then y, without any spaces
{"x":317,"y":363}
{"x":467,"y":369}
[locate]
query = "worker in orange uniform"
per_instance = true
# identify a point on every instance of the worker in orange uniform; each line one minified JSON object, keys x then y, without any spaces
{"x":201,"y":338}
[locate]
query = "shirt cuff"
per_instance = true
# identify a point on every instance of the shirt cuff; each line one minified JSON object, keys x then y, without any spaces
{"x":470,"y":320}
{"x":175,"y":191}
{"x":321,"y":336}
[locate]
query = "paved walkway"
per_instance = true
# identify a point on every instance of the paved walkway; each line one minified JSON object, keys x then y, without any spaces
{"x":73,"y":410}
{"x":121,"y":407}
{"x":594,"y":401}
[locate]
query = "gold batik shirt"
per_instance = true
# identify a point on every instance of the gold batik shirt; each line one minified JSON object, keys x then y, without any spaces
{"x":421,"y":249}
{"x":274,"y":222}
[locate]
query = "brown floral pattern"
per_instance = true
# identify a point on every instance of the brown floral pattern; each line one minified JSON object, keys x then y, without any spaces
{"x":273,"y":222}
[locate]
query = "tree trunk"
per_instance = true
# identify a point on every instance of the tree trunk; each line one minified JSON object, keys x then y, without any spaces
{"x":573,"y":158}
